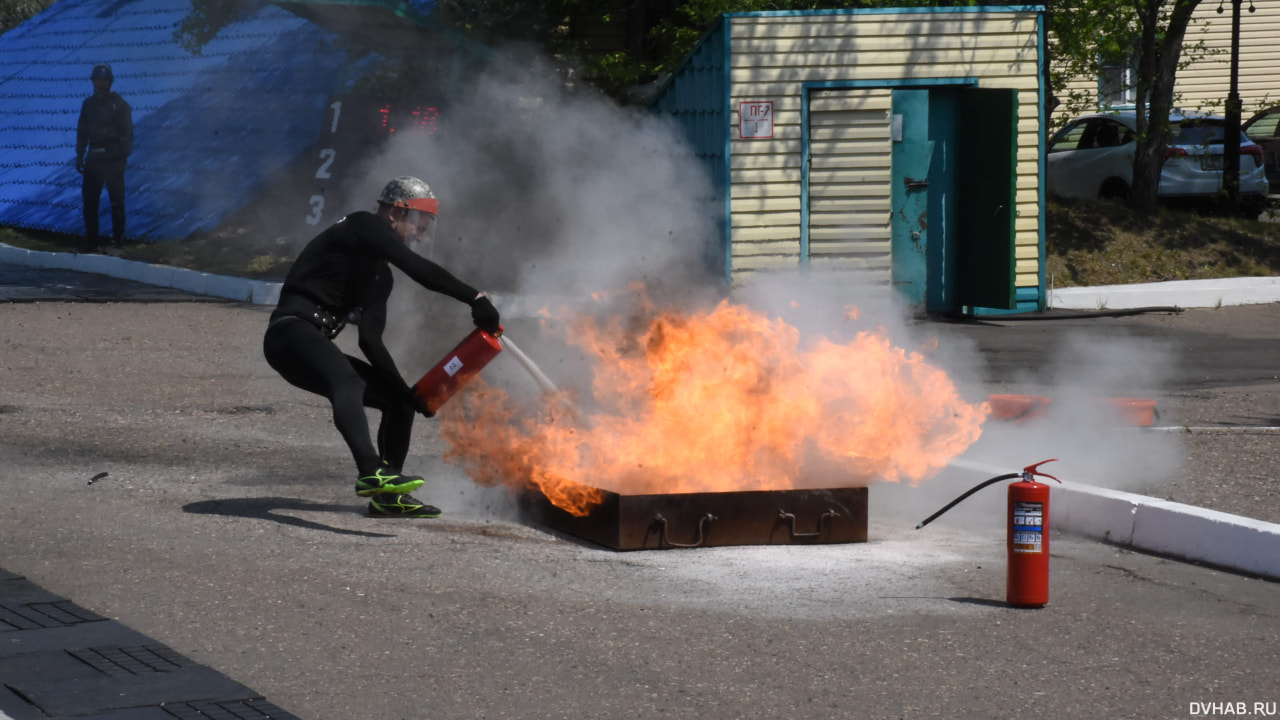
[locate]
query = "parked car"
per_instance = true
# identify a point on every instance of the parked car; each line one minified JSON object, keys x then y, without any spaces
{"x":1093,"y":157}
{"x":1264,"y":129}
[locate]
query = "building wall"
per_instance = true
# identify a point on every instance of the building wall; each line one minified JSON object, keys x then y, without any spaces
{"x":1203,"y":83}
{"x":771,"y":57}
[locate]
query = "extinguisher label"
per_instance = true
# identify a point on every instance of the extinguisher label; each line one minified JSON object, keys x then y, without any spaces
{"x":453,"y":366}
{"x":1028,"y":527}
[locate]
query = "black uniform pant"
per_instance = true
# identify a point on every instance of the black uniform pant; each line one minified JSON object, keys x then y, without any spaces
{"x":307,"y":359}
{"x":97,"y":174}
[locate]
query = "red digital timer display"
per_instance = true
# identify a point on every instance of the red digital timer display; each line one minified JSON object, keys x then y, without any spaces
{"x":418,"y":119}
{"x":352,"y":127}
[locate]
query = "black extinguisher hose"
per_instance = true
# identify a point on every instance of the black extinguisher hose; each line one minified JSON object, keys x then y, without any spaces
{"x":972,"y":490}
{"x":1027,"y":473}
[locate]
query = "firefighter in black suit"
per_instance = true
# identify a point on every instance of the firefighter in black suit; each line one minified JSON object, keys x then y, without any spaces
{"x":104,"y":139}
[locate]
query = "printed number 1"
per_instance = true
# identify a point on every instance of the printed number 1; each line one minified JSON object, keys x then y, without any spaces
{"x":337,"y":112}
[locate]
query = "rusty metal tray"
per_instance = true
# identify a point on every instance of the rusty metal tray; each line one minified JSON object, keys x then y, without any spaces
{"x":757,"y":517}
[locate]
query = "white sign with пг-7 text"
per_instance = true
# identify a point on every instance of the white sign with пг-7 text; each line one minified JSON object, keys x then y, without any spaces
{"x":755,"y":120}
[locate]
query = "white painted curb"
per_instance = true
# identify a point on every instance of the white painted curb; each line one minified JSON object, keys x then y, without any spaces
{"x":1159,"y":526}
{"x":1178,"y":293}
{"x":258,"y":292}
{"x":1168,"y":528}
{"x":1175,"y":293}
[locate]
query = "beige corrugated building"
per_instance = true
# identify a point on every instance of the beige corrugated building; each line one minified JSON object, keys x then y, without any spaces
{"x":890,"y":146}
{"x":1202,"y":84}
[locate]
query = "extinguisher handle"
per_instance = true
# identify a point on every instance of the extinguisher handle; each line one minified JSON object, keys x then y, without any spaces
{"x":1031,"y":471}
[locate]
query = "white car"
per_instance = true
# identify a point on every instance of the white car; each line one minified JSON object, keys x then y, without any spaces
{"x":1093,"y":157}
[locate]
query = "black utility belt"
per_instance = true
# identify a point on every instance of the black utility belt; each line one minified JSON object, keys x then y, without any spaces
{"x":326,"y":322}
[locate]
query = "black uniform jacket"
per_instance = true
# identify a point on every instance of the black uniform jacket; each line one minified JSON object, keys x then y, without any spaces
{"x":105,"y":128}
{"x":345,"y":270}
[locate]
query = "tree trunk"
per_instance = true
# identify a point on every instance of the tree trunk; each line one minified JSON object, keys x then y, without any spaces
{"x":1157,"y":72}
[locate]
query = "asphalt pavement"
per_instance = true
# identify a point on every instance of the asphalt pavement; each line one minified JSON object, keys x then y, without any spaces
{"x":59,"y":660}
{"x":19,"y":283}
{"x":209,"y":574}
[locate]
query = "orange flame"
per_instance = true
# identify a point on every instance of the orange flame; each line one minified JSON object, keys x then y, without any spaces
{"x":721,"y":400}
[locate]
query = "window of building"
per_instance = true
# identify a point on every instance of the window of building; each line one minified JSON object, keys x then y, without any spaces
{"x":1117,"y":84}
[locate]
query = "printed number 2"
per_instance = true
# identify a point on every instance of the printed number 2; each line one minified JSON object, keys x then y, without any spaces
{"x":317,"y":207}
{"x":328,"y":154}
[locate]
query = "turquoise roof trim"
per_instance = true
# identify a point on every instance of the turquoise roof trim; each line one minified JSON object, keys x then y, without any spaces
{"x":697,"y":99}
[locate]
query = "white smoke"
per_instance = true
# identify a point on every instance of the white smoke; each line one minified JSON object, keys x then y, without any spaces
{"x":1087,"y":428}
{"x":549,"y":194}
{"x":544,"y":191}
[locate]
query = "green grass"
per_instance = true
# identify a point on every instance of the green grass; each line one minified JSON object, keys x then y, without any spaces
{"x":1089,"y":243}
{"x":236,"y":252}
{"x":1104,"y":243}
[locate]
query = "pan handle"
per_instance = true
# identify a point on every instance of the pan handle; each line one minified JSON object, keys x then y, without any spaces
{"x":702,"y":526}
{"x":822,"y":522}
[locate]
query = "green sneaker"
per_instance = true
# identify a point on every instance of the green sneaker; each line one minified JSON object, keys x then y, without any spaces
{"x":393,"y":505}
{"x":387,"y":480}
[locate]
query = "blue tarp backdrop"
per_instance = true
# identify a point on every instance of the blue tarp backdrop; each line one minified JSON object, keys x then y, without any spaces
{"x":209,"y":128}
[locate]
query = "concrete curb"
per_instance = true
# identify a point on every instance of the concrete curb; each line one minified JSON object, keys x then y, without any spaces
{"x":258,"y":292}
{"x":1159,"y":526}
{"x":1168,"y":528}
{"x":1179,"y":293}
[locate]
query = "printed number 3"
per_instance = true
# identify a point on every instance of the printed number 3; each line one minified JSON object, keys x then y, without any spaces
{"x":317,"y":207}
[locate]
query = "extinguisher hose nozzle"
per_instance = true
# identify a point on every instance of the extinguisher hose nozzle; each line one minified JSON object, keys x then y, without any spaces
{"x":539,"y":377}
{"x":971,"y":491}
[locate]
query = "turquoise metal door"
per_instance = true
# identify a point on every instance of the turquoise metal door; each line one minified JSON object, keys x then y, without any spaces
{"x":954,"y":178}
{"x":911,"y":157}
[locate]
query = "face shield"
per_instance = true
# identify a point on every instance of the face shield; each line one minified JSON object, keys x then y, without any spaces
{"x":418,"y":228}
{"x":417,"y":224}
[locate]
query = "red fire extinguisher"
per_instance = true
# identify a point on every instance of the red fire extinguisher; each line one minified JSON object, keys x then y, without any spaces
{"x":1028,"y":534}
{"x":457,"y":367}
{"x":1028,"y":540}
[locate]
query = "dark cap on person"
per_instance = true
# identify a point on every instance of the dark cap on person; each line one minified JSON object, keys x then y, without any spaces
{"x":101,"y":71}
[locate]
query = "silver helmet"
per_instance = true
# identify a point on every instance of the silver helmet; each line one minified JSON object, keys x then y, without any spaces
{"x":410,"y":192}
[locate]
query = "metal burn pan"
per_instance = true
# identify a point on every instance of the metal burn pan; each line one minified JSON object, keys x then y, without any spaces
{"x":714,"y":519}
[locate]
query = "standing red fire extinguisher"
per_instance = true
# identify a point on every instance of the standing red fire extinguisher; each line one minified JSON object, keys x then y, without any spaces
{"x":1028,"y":540}
{"x":1028,"y":534}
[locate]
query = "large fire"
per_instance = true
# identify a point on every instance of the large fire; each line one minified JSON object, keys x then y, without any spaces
{"x":720,"y":400}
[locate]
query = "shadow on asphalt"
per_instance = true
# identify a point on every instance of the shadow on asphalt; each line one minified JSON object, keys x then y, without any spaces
{"x":265,"y":508}
{"x":980,"y":601}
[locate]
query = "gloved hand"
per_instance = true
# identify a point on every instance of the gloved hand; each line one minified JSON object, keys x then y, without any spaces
{"x":485,"y":315}
{"x":421,"y":407}
{"x":80,"y":165}
{"x":417,"y":403}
